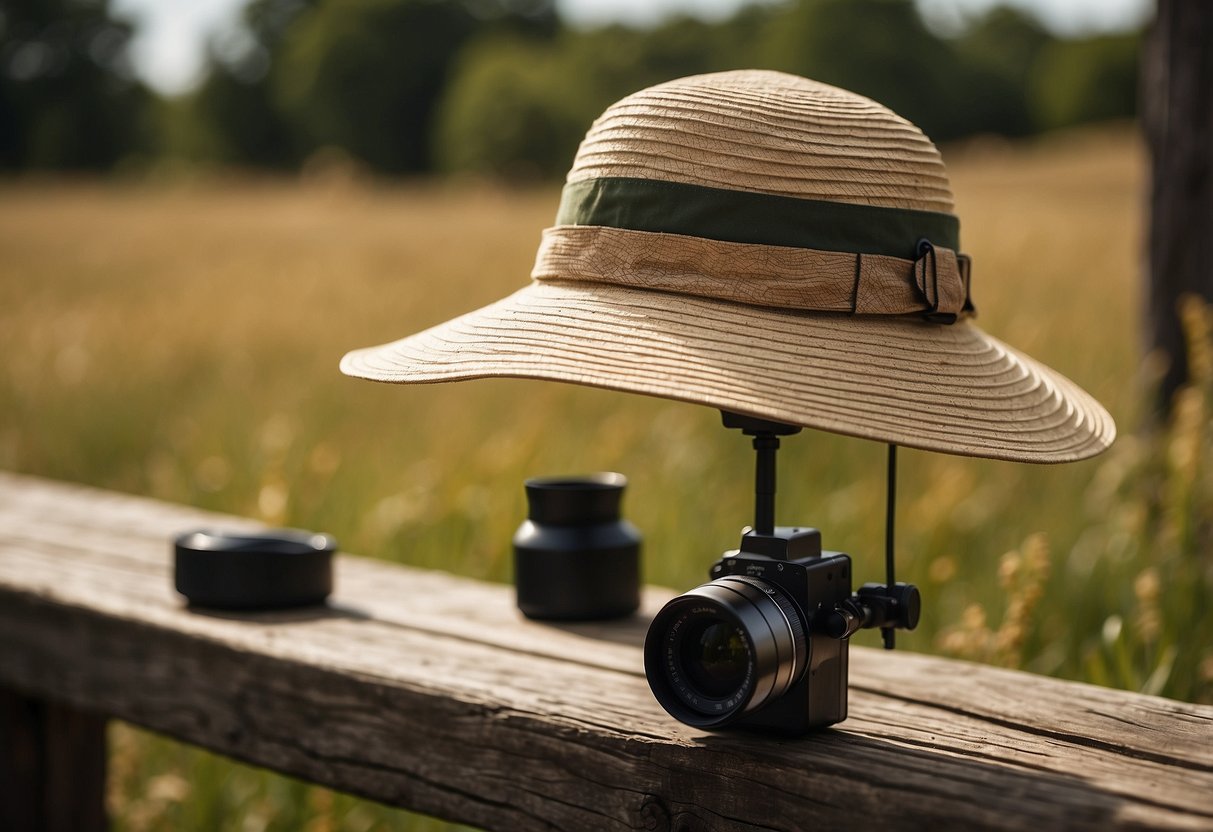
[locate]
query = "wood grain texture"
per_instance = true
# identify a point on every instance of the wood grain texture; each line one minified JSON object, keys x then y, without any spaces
{"x":431,"y":692}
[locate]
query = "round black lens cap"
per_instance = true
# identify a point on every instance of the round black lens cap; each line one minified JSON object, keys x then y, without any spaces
{"x":254,"y":570}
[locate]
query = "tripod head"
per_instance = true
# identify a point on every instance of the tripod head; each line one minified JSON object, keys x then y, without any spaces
{"x":766,"y":442}
{"x":889,"y":606}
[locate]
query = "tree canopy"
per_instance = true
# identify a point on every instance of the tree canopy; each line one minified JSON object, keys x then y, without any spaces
{"x":501,"y":87}
{"x":68,"y":98}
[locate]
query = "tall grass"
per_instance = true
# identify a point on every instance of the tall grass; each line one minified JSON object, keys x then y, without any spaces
{"x":181,"y":341}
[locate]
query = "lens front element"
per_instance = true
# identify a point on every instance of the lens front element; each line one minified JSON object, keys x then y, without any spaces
{"x":724,"y":649}
{"x":715,"y":657}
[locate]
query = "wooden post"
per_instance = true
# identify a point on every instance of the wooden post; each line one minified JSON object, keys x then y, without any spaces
{"x":1177,"y":115}
{"x":52,"y":767}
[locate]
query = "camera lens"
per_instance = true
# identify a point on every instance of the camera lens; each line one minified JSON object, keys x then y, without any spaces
{"x":714,"y":654}
{"x":723,"y":650}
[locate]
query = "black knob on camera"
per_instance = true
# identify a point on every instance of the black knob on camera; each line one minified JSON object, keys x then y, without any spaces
{"x":875,"y":606}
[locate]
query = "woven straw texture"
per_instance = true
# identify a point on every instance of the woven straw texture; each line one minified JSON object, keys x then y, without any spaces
{"x":770,"y":133}
{"x":888,"y":377}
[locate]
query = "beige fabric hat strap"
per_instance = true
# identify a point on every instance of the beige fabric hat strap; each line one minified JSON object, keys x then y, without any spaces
{"x":936,"y":284}
{"x":757,"y":248}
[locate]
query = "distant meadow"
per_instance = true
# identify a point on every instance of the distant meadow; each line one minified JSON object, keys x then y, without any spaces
{"x":180,"y":340}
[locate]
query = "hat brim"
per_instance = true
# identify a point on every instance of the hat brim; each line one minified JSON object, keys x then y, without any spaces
{"x":948,"y":388}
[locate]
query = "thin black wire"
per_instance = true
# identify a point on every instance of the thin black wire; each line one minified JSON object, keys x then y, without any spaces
{"x":888,"y":633}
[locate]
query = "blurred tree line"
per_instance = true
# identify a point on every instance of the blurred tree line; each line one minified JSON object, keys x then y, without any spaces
{"x":68,"y":97}
{"x":501,"y":86}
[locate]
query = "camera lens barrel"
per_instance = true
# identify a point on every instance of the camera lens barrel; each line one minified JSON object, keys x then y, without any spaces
{"x":724,"y":650}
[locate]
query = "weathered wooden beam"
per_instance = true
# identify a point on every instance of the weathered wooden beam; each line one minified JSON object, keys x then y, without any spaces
{"x":431,"y":692}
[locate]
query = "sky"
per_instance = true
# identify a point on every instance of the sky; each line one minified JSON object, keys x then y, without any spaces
{"x":170,"y":44}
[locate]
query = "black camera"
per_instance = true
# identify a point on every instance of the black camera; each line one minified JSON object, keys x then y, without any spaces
{"x":764,"y":644}
{"x":748,"y":648}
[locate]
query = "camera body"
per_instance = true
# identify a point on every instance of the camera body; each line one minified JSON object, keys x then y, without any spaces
{"x":792,"y":561}
{"x":764,"y":644}
{"x":752,"y":648}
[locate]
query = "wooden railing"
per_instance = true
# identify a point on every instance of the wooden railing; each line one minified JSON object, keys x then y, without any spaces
{"x":430,"y":692}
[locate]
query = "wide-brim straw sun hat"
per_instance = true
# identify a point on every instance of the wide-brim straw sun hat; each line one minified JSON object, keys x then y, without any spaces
{"x":773,"y":246}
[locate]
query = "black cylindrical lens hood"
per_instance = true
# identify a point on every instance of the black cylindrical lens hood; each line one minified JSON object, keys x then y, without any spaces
{"x":575,"y":558}
{"x":575,"y":501}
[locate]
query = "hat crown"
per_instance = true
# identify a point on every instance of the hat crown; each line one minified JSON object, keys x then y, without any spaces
{"x":767,"y":132}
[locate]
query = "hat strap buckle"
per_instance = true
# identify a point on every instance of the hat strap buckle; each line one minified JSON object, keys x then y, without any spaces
{"x":926,"y":278}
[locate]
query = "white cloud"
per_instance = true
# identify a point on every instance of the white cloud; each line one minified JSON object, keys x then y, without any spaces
{"x":169,"y":48}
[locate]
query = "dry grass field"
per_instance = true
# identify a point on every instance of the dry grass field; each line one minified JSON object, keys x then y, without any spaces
{"x":181,"y":340}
